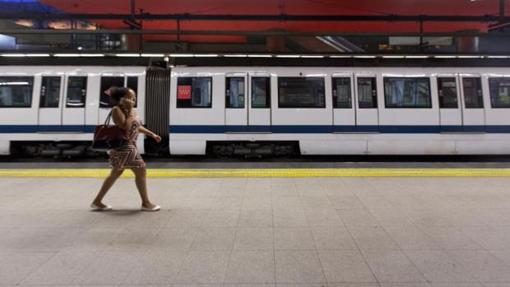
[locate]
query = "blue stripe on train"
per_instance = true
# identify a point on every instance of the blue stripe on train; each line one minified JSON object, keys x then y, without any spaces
{"x":315,"y":129}
{"x":303,"y":129}
{"x":19,"y":129}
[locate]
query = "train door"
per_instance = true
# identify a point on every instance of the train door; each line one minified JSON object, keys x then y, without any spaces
{"x":236,"y":109}
{"x":259,"y":110}
{"x":73,"y":111}
{"x":50,"y":100}
{"x":497,"y":87}
{"x":344,"y":113}
{"x":473,"y":111}
{"x":107,"y":81}
{"x":366,"y":101}
{"x":450,"y":107}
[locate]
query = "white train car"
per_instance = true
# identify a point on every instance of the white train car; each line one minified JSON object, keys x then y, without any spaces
{"x":52,"y":110}
{"x":341,"y":110}
{"x":242,"y":110}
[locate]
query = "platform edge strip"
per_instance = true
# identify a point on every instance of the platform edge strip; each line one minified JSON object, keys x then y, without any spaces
{"x":276,"y":172}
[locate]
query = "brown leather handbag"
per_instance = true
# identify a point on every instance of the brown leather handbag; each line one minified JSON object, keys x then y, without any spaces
{"x":108,"y":137}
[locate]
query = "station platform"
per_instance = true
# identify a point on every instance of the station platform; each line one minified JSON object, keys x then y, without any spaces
{"x":250,"y":230}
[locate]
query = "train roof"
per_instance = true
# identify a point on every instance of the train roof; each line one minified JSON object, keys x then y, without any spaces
{"x":269,"y":61}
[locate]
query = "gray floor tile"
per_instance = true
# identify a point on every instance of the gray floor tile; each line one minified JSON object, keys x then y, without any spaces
{"x":455,"y":231}
{"x":393,"y":266}
{"x":298,"y":266}
{"x":372,"y":238}
{"x":63,"y":268}
{"x":357,"y":217}
{"x":487,"y":236}
{"x":335,"y":237}
{"x":174,"y":238}
{"x":409,"y":237}
{"x":457,"y":285}
{"x":345,"y":266}
{"x":222,"y":218}
{"x":214,"y":238}
{"x":289,"y":218}
{"x":254,"y":239}
{"x":40,"y":239}
{"x":293,"y":238}
{"x":262,"y":202}
{"x":323,"y":217}
{"x":109,"y":268}
{"x":156,"y":267}
{"x":482,"y":265}
{"x":204,"y":267}
{"x":438,"y":266}
{"x":451,"y":238}
{"x":405,"y":285}
{"x":256,"y":218}
{"x":251,"y":267}
{"x":16,"y":266}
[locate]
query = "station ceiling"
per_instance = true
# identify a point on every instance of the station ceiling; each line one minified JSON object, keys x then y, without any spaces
{"x":260,"y":26}
{"x":287,"y":7}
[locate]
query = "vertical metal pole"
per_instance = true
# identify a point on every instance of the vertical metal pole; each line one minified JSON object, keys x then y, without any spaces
{"x":132,"y":6}
{"x":501,"y":11}
{"x":421,"y":36}
{"x":178,"y":30}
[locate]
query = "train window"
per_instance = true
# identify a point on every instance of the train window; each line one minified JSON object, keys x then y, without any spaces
{"x":16,"y":92}
{"x":106,"y":83}
{"x":234,"y":92}
{"x":410,"y":93}
{"x":301,"y":92}
{"x":500,"y":92}
{"x":194,"y":92}
{"x":473,"y":96}
{"x":76,"y":92}
{"x":342,"y":93}
{"x":447,"y":91}
{"x":367,"y":93}
{"x":50,"y":92}
{"x":260,"y":92}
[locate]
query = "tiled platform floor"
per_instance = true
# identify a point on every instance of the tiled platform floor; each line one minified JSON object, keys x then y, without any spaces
{"x":360,"y":232}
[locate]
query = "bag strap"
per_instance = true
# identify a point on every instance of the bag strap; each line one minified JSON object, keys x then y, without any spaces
{"x":108,"y":117}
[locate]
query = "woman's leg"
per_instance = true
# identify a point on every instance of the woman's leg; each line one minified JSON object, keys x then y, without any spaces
{"x":107,"y":184}
{"x":141,"y":185}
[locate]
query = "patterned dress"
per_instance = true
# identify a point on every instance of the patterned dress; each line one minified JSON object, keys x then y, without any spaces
{"x":128,"y":156}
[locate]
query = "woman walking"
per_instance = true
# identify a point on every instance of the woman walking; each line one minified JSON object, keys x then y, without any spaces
{"x":127,"y":156}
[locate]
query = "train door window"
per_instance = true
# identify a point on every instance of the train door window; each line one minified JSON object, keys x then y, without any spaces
{"x":50,"y":92}
{"x":301,"y":92}
{"x":447,"y":91}
{"x":106,"y":83}
{"x":500,"y":92}
{"x":132,"y":83}
{"x":16,"y":92}
{"x":76,"y":92}
{"x":260,"y":92}
{"x":194,"y":92}
{"x":367,"y":93}
{"x":409,"y":93}
{"x":234,"y":92}
{"x":473,"y":97}
{"x":342,"y":93}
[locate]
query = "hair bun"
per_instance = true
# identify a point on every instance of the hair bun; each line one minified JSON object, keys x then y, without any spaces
{"x":117,"y":93}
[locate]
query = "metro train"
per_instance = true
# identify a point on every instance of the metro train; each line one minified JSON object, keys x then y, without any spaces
{"x":263,"y":110}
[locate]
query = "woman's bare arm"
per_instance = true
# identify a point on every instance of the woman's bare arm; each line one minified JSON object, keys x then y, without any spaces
{"x":149,"y":133}
{"x":119,"y":118}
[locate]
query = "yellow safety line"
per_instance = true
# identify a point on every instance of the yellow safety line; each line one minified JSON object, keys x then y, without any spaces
{"x":268,"y":172}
